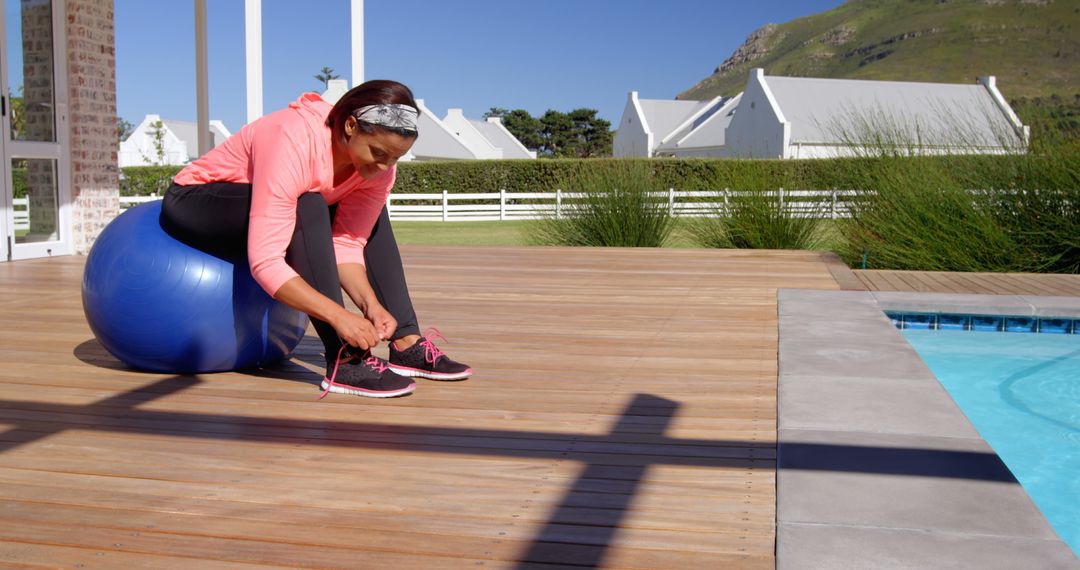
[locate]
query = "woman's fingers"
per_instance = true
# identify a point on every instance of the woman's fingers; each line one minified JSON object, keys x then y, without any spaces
{"x":383,"y":321}
{"x":360,"y":333}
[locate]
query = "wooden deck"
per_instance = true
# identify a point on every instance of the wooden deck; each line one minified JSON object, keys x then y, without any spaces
{"x":622,"y":415}
{"x":973,"y":283}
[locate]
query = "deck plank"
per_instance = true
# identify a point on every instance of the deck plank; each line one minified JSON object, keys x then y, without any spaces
{"x":623,"y":415}
{"x":972,"y":283}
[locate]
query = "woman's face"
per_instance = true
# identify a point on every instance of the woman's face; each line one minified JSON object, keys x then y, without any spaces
{"x":374,"y":153}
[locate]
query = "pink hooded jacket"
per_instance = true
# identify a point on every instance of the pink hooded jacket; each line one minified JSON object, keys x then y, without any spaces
{"x":284,"y":155}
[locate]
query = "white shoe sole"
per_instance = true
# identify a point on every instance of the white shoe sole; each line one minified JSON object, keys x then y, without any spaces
{"x":417,"y":373}
{"x":345,"y":389}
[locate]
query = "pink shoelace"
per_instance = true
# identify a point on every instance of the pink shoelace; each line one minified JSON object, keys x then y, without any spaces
{"x":432,"y":352}
{"x":376,"y":363}
{"x":373,"y":361}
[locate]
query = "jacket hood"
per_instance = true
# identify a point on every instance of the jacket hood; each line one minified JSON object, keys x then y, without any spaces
{"x":313,"y":106}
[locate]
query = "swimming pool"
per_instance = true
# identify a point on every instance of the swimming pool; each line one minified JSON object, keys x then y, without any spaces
{"x":1022,"y":393}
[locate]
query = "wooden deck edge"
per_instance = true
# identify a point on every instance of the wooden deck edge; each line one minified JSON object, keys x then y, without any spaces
{"x":841,"y":273}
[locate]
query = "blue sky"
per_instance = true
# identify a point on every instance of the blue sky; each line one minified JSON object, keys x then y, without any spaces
{"x":473,"y":54}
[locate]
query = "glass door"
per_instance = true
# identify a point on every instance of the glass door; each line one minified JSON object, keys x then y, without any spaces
{"x":34,"y":141}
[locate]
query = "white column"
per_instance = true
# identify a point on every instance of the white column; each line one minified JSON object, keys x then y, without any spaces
{"x":202,"y":90}
{"x":357,"y":12}
{"x":253,"y":51}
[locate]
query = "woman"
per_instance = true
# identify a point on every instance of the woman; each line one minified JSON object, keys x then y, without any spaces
{"x":303,"y":192}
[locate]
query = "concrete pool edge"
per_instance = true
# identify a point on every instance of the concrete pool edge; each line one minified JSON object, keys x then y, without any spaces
{"x":1011,"y":305}
{"x":876,"y":466}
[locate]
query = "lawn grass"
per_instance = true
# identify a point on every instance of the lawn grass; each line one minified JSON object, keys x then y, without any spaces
{"x":460,"y":233}
{"x":512,"y":232}
{"x":489,"y":233}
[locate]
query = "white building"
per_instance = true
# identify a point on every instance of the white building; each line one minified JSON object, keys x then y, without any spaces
{"x":437,"y":141}
{"x":454,"y":137}
{"x":486,"y":134}
{"x":179,"y":142}
{"x":654,"y":127}
{"x":802,"y":117}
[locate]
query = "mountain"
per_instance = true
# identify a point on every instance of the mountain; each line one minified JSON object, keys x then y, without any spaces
{"x":1032,"y":46}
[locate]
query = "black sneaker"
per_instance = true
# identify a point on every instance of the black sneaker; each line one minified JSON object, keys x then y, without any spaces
{"x":365,"y":375}
{"x":425,"y":360}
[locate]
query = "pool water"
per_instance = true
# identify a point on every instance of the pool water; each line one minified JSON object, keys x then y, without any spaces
{"x":1022,"y":393}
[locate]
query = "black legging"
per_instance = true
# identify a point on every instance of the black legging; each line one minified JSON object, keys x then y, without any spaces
{"x":214,"y":218}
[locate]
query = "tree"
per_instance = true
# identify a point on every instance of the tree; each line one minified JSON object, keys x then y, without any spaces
{"x":325,"y":75}
{"x":593,"y":134}
{"x":556,"y":130}
{"x":157,"y":134}
{"x":577,"y":134}
{"x":123,"y":128}
{"x":520,"y":124}
{"x":523,"y":126}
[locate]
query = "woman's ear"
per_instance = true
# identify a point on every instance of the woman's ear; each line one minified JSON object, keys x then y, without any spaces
{"x":350,"y":126}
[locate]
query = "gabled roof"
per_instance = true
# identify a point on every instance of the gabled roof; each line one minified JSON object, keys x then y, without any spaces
{"x":179,"y":143}
{"x":189,"y":133}
{"x":436,"y":141}
{"x":480,"y":146}
{"x":707,"y":128}
{"x":494,"y":131}
{"x":664,"y":116}
{"x":843,"y":110}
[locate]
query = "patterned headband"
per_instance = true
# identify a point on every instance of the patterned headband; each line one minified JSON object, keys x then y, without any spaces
{"x":391,"y":116}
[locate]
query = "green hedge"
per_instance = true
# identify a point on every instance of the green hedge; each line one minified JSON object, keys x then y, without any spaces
{"x":1028,"y":171}
{"x":146,"y":180}
{"x":546,"y":175}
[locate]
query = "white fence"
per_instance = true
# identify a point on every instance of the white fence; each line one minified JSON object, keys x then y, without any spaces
{"x":22,"y":214}
{"x":446,"y":206}
{"x":22,"y":208}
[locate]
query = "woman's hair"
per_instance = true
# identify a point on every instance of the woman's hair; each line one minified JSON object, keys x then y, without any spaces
{"x":375,"y":92}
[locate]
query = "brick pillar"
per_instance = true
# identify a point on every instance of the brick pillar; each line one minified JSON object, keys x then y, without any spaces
{"x":95,"y":184}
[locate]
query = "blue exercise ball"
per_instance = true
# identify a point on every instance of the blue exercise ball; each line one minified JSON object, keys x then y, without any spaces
{"x":158,"y":304}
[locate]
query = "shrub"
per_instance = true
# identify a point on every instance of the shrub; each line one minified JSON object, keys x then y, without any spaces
{"x":1038,"y":203}
{"x":146,"y":180}
{"x":1008,"y":212}
{"x":759,"y":220}
{"x":920,"y":217}
{"x":619,"y":206}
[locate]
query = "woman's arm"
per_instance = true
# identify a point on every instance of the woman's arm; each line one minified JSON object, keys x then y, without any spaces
{"x":356,"y":216}
{"x":352,"y":328}
{"x":355,"y":283}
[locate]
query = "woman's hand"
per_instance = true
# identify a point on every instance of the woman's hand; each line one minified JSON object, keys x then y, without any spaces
{"x":355,"y":283}
{"x":385,"y":323}
{"x":356,"y":330}
{"x":352,"y":328}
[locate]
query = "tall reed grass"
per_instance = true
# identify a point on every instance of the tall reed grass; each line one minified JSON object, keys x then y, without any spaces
{"x":619,"y":205}
{"x":926,"y":209}
{"x":919,"y":217}
{"x":761,"y":219}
